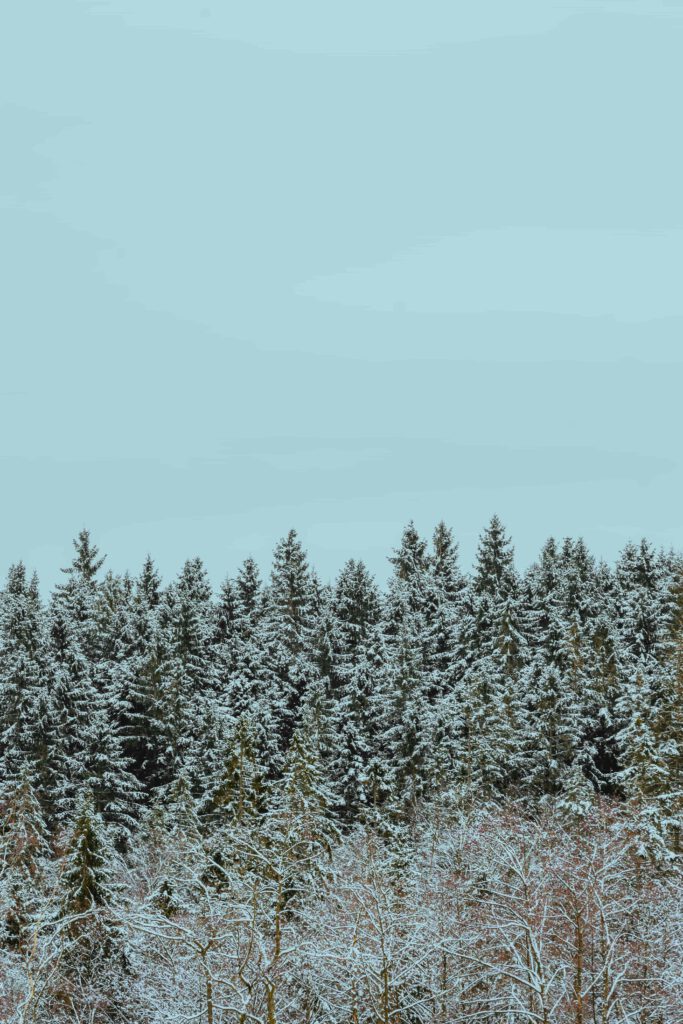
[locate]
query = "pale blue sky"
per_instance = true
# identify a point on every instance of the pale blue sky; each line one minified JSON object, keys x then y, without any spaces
{"x":336,"y":265}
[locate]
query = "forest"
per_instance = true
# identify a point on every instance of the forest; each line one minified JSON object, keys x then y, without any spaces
{"x":454,"y":798}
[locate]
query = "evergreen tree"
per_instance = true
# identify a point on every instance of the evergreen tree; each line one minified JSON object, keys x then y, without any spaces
{"x":645,"y":605}
{"x":408,"y":735}
{"x":207,"y":753}
{"x":85,"y":750}
{"x":24,"y":852}
{"x":284,"y":637}
{"x":300,"y":829}
{"x":88,"y":890}
{"x":646,"y":777}
{"x":359,"y":764}
{"x":249,"y":597}
{"x":490,"y":689}
{"x":555,"y":678}
{"x":25,"y":709}
{"x":236,"y":793}
{"x":645,"y":602}
{"x":86,"y":563}
{"x":408,"y":591}
{"x":494,"y":573}
{"x":137,"y":680}
{"x":184,"y":676}
{"x":226,"y":637}
{"x":445,"y":597}
{"x":357,"y":608}
{"x":292,"y":592}
{"x":79,"y":594}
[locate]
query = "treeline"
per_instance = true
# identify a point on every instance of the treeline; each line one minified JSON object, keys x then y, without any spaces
{"x":456,"y":799}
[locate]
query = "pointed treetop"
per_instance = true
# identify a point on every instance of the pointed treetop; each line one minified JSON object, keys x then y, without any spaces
{"x":549,"y":552}
{"x":291,"y":581}
{"x":356,"y":599}
{"x":445,"y":561}
{"x":289,"y":552}
{"x":444,"y":545}
{"x":411,"y":555}
{"x":248,"y":586}
{"x":16,"y":579}
{"x":193,"y":580}
{"x":495,"y":571}
{"x":34,"y":586}
{"x":86,"y":564}
{"x":149,"y":582}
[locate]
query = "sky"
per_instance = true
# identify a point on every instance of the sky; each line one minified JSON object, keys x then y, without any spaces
{"x":336,"y":266}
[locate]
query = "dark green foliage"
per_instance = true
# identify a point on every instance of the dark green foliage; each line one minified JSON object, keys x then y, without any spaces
{"x":558,"y":684}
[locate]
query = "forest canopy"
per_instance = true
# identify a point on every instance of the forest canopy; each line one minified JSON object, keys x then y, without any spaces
{"x":455,"y":798}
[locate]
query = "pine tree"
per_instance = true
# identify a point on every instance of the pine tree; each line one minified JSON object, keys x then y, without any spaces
{"x":284,"y":637}
{"x":490,"y":690}
{"x":25,"y":709}
{"x":555,"y":678}
{"x":136,"y":678}
{"x":24,"y":853}
{"x":292,"y":592}
{"x":445,"y":597}
{"x":577,"y":796}
{"x":645,"y":604}
{"x":181,"y":810}
{"x":357,"y":608}
{"x":494,"y":573}
{"x":79,"y":594}
{"x":183,"y":674}
{"x":668,"y":719}
{"x":645,"y":776}
{"x":226,"y":639}
{"x":359,"y":765}
{"x":409,"y":590}
{"x":408,"y":736}
{"x":646,"y":612}
{"x":300,"y":829}
{"x":235,"y":793}
{"x":490,"y":602}
{"x":249,"y":597}
{"x":148,"y":584}
{"x":85,"y":750}
{"x":171,"y":848}
{"x":88,"y":890}
{"x":86,"y":563}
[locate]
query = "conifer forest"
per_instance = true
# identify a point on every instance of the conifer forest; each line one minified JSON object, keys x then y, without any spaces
{"x":457,"y":798}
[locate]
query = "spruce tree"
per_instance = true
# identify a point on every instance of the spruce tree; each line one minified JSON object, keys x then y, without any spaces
{"x":235,"y":793}
{"x":25,"y":708}
{"x":24,"y":853}
{"x":284,"y":636}
{"x":555,"y":678}
{"x":138,"y":675}
{"x":88,"y":890}
{"x":360,"y":719}
{"x":184,"y":676}
{"x":225,"y":640}
{"x":645,"y":777}
{"x":299,"y":825}
{"x":408,"y":734}
{"x":85,"y":749}
{"x":445,"y":597}
{"x":490,"y":689}
{"x":249,"y":597}
{"x":409,"y":590}
{"x":356,"y":605}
